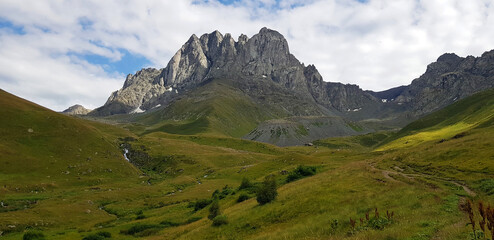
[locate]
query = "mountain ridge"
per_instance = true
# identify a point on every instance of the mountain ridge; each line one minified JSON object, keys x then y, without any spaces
{"x":263,"y":69}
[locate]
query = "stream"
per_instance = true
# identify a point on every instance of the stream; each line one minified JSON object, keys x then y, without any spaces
{"x":125,"y":154}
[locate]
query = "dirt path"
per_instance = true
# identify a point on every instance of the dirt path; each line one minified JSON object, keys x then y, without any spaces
{"x":386,"y":174}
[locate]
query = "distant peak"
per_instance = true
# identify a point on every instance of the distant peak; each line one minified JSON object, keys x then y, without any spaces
{"x":76,"y":110}
{"x":448,"y":57}
{"x":193,"y":38}
{"x":266,"y":30}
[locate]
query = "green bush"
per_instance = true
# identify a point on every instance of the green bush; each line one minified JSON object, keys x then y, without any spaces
{"x":220,"y":220}
{"x":243,"y":197}
{"x":33,"y":236}
{"x":93,"y":237}
{"x":214,"y":210}
{"x":301,"y":172}
{"x":167,"y":223}
{"x":97,"y":236}
{"x":142,"y":230}
{"x":246,"y":184}
{"x":267,"y":192}
{"x":104,"y":234}
{"x":202,"y":203}
{"x":224,"y":192}
{"x":486,"y":186}
{"x":378,"y":223}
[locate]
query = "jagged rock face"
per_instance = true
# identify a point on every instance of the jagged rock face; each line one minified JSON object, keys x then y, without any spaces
{"x":76,"y":110}
{"x":188,"y":66}
{"x":138,"y":90}
{"x":265,"y":56}
{"x":265,"y":59}
{"x":448,"y":79}
{"x":343,"y":97}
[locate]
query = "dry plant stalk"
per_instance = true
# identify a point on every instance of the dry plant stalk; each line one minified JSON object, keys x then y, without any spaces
{"x":389,"y":215}
{"x":483,"y":214}
{"x":469,"y":210}
{"x":367,"y":216}
{"x":352,"y":223}
{"x":490,"y":217}
{"x":376,"y":213}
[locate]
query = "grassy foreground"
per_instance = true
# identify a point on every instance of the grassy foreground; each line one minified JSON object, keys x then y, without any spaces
{"x":391,"y":192}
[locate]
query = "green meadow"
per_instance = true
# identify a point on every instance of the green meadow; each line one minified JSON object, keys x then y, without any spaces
{"x":66,"y":178}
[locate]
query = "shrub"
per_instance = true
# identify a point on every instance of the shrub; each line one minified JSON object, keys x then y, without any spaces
{"x":333,"y":225}
{"x":98,"y":236}
{"x":224,"y":192}
{"x":486,"y":186}
{"x":267,"y":192}
{"x":220,"y":220}
{"x":193,"y":219}
{"x":301,"y":172}
{"x":104,"y":234}
{"x":93,"y":237}
{"x":140,"y":216}
{"x":378,"y":223}
{"x":246,"y":184}
{"x":167,"y":223}
{"x":243,"y":197}
{"x":142,"y":230}
{"x":202,"y":203}
{"x":33,"y":236}
{"x":214,"y":210}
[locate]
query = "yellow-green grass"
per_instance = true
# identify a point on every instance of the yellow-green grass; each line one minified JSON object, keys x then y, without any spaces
{"x":427,"y":136}
{"x":476,"y":111}
{"x":351,"y":179}
{"x":216,"y":109}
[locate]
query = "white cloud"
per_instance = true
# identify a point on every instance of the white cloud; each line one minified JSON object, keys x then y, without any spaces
{"x":378,"y":44}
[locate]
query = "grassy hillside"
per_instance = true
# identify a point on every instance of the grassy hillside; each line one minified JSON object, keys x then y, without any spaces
{"x":39,"y":144}
{"x":476,"y":111}
{"x":217,"y":108}
{"x":418,"y":191}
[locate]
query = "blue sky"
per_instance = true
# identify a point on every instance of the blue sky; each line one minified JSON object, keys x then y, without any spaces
{"x":59,"y":52}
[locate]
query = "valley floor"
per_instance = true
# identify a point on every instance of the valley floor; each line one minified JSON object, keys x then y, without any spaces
{"x":409,"y":193}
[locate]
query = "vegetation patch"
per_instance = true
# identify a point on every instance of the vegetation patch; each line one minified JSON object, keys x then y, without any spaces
{"x":33,"y":235}
{"x":267,"y":192}
{"x":97,"y":236}
{"x":301,"y":172}
{"x":220,"y":220}
{"x":486,"y":186}
{"x":142,"y":230}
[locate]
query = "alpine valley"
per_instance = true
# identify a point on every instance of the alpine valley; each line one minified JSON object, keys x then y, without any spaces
{"x":236,"y":139}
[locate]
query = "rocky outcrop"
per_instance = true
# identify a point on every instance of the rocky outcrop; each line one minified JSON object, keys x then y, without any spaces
{"x":76,"y":110}
{"x":138,"y":92}
{"x":447,"y":80}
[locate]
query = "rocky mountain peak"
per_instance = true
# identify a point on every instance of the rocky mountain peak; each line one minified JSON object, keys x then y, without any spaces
{"x":265,"y":56}
{"x":76,"y":110}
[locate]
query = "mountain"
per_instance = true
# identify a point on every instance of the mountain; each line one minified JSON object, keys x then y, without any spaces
{"x":263,"y":74}
{"x":452,"y":122}
{"x":76,"y":110}
{"x":260,"y":66}
{"x":447,"y":80}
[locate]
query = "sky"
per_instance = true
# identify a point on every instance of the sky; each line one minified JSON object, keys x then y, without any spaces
{"x":58,"y":53}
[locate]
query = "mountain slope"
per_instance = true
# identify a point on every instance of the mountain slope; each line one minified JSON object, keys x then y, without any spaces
{"x":455,"y":120}
{"x":265,"y":78}
{"x":40,"y":146}
{"x":448,"y":79}
{"x":216,"y":108}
